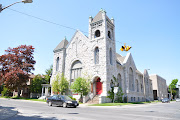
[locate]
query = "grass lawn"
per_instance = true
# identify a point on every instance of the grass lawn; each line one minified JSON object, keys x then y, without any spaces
{"x":118,"y":104}
{"x":110,"y":104}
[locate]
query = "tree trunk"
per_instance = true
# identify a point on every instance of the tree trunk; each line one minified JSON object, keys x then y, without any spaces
{"x":18,"y":91}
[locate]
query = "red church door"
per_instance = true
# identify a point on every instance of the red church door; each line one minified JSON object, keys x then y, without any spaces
{"x":98,"y":87}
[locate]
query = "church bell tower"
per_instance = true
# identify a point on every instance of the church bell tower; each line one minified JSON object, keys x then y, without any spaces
{"x":102,"y":36}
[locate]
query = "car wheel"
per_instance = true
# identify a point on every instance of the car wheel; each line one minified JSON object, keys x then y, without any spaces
{"x":64,"y":105}
{"x":75,"y":106}
{"x":50,"y":103}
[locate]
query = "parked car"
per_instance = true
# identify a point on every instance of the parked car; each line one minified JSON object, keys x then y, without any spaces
{"x":62,"y":100}
{"x":177,"y":99}
{"x":42,"y":98}
{"x":165,"y":100}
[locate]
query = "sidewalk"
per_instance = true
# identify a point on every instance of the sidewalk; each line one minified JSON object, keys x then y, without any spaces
{"x":7,"y":112}
{"x":121,"y":106}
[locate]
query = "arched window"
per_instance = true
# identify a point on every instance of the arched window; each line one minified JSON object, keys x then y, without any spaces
{"x":137,"y":84}
{"x":131,"y":80}
{"x":141,"y":88}
{"x":57,"y":64}
{"x":109,"y":34}
{"x":110,"y":56}
{"x":96,"y":55}
{"x":97,"y":34}
{"x":76,"y":70}
{"x":119,"y":81}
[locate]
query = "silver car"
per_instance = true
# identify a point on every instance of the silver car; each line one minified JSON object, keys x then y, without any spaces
{"x":177,"y":99}
{"x":165,"y":100}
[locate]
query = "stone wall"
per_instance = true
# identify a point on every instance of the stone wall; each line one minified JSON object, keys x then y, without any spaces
{"x":82,"y":48}
{"x":159,"y":84}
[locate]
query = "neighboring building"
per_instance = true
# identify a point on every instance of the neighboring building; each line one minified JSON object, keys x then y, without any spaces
{"x":159,"y":87}
{"x":96,"y":55}
{"x":25,"y":92}
{"x":177,"y":93}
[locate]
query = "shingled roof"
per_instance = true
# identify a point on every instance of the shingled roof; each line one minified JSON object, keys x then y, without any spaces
{"x":61,"y":45}
{"x":98,"y":17}
{"x":120,"y":58}
{"x":137,"y":71}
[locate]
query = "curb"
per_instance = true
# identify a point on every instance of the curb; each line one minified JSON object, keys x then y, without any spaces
{"x":24,"y":100}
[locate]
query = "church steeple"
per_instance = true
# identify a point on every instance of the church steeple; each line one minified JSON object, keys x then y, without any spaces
{"x":61,"y":45}
{"x":102,"y":23}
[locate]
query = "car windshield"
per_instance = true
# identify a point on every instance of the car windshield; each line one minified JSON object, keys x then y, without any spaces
{"x":65,"y":97}
{"x":165,"y":99}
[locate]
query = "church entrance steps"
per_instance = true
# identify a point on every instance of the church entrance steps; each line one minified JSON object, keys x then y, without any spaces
{"x":95,"y":100}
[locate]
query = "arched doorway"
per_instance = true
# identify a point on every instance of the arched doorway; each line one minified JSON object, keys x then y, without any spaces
{"x":98,"y":86}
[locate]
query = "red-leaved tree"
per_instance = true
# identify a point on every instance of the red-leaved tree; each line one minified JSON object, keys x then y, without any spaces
{"x":15,"y":66}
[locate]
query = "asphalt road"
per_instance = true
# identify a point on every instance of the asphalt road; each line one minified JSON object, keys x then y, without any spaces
{"x":29,"y":110}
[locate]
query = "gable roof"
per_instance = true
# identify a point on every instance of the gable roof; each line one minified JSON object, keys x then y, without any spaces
{"x":129,"y":59}
{"x":61,"y":45}
{"x":137,"y":71}
{"x":77,"y":31}
{"x":120,"y":58}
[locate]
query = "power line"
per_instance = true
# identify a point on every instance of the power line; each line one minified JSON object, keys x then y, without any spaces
{"x":50,"y":21}
{"x":45,"y":20}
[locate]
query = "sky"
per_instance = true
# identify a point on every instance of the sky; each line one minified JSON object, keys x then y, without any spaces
{"x":151,"y":27}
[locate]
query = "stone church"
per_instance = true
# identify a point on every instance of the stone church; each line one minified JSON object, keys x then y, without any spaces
{"x":96,"y":55}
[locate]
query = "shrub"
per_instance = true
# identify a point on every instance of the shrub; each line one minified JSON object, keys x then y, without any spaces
{"x":6,"y":92}
{"x":111,"y":94}
{"x":119,"y":95}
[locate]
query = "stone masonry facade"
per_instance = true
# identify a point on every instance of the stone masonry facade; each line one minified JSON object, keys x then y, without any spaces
{"x":96,"y":56}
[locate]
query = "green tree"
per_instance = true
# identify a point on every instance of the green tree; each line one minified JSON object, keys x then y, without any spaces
{"x":48,"y":72}
{"x":119,"y":95}
{"x":81,"y":85}
{"x":111,"y":94}
{"x":172,"y":87}
{"x":55,"y":84}
{"x":60,"y":84}
{"x":36,"y":86}
{"x":64,"y":85}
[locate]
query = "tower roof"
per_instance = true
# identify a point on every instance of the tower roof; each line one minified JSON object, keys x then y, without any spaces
{"x":146,"y":72}
{"x":98,"y":17}
{"x":61,"y":45}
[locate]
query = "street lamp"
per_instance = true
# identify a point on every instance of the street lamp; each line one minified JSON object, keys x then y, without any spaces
{"x":22,"y":1}
{"x":27,"y":1}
